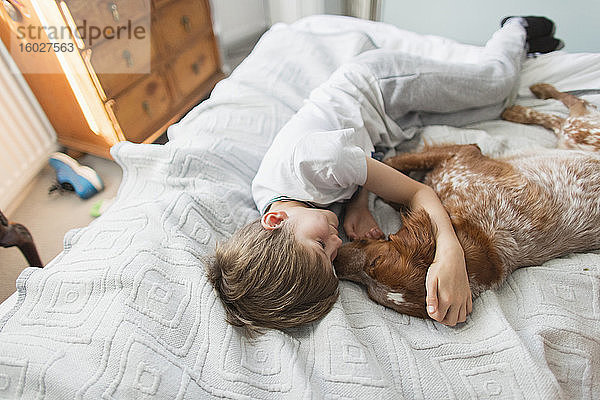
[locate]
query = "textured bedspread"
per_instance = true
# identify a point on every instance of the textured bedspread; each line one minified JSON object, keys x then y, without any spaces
{"x":126,"y":311}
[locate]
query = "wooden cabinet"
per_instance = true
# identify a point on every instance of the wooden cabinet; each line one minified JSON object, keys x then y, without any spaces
{"x":115,"y":86}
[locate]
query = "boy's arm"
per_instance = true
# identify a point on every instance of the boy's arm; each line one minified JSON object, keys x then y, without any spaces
{"x":358,"y":220}
{"x":448,"y":292}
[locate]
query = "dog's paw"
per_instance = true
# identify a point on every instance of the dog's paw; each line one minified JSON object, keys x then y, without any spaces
{"x":543,"y":91}
{"x":516,"y":114}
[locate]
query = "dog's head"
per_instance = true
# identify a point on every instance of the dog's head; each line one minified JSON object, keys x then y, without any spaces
{"x":394,"y":270}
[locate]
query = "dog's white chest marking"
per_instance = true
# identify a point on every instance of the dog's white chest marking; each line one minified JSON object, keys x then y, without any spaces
{"x":397,"y":298}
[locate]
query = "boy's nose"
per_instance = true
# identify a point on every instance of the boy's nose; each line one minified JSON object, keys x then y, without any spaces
{"x":338,"y":242}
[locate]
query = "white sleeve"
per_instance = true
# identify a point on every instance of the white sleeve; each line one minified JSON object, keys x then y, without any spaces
{"x":331,"y":165}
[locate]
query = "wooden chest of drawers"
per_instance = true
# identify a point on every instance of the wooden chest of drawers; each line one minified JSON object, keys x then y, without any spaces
{"x":115,"y":87}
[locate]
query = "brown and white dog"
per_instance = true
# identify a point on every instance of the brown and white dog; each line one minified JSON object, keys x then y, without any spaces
{"x":507,"y":213}
{"x":580,"y":130}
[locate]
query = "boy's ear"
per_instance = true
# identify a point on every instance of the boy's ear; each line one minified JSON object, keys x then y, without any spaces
{"x":273,"y":219}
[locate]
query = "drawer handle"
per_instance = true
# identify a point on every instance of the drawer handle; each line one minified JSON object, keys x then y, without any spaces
{"x":114,"y":9}
{"x":187,"y":23}
{"x":128,"y":58}
{"x":146,"y":107}
{"x":196,"y":66}
{"x":12,"y":11}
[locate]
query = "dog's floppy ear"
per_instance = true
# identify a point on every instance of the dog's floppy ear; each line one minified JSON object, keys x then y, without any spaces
{"x":350,"y":262}
{"x":416,"y":238}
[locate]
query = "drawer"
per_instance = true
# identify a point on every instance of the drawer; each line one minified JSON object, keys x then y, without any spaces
{"x":142,"y":107}
{"x":160,"y":3}
{"x":180,"y":21}
{"x":193,"y":67}
{"x":119,"y":63}
{"x":107,"y":18}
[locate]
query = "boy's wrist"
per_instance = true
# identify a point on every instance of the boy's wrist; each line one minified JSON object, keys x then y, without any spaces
{"x":449,"y":245}
{"x":360,"y":199}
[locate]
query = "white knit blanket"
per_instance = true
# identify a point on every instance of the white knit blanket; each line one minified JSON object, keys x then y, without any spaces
{"x":126,"y":312}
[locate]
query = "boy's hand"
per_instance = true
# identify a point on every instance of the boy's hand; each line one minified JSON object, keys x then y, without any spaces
{"x":358,"y":220}
{"x":449,"y":298}
{"x":360,"y":224}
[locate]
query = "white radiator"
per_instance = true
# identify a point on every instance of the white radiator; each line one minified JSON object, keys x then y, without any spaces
{"x":26,"y":135}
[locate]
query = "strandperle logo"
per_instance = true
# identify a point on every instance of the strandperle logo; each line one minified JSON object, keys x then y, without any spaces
{"x":88,"y":33}
{"x":121,"y":48}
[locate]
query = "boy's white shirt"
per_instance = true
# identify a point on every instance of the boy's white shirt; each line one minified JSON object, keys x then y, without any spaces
{"x":319,"y":156}
{"x":320,"y":167}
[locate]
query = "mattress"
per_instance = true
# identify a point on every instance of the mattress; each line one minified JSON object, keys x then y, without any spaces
{"x":126,"y":311}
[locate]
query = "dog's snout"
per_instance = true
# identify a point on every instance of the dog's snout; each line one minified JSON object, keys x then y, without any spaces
{"x":349,"y":261}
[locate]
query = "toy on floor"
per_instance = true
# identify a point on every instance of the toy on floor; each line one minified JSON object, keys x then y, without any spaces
{"x":100,"y":207}
{"x":70,"y":174}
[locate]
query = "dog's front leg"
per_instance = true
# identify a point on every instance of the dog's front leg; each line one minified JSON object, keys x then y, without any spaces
{"x":430,"y":157}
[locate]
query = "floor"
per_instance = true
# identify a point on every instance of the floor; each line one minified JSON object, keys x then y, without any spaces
{"x":49,"y":216}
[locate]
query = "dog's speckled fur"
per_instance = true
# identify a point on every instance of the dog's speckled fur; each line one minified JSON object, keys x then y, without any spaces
{"x":507,"y":213}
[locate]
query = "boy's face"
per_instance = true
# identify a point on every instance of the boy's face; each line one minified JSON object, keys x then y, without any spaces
{"x":317,"y":229}
{"x":314,"y":228}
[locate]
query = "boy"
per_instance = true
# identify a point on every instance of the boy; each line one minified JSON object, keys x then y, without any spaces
{"x":277,"y":272}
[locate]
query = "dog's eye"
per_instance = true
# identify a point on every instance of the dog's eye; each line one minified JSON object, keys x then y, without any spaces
{"x":374,"y":262}
{"x":321,"y":243}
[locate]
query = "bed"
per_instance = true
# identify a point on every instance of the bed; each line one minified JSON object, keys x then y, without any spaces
{"x":126,"y":311}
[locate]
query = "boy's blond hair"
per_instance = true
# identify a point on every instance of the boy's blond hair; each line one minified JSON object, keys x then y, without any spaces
{"x":266,"y":279}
